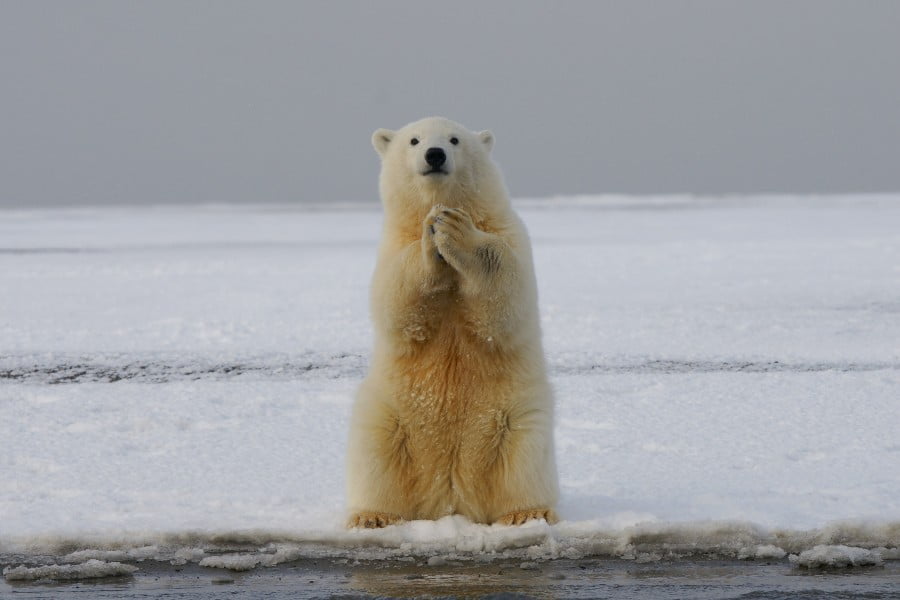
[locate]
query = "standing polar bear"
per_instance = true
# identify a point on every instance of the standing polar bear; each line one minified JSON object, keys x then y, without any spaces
{"x":456,"y":414}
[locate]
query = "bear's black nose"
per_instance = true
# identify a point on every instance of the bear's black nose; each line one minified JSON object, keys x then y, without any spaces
{"x":435,"y":157}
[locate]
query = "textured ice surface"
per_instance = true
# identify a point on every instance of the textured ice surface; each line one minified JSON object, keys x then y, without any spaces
{"x":177,"y":381}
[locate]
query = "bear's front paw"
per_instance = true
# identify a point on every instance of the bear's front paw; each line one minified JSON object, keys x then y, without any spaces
{"x":373,"y":520}
{"x":517,"y":517}
{"x":433,"y":258}
{"x":453,"y":233}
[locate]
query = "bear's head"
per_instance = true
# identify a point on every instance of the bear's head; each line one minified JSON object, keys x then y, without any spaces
{"x":436,"y":161}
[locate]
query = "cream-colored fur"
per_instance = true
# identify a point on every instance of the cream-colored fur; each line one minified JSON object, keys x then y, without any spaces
{"x":455,"y":415}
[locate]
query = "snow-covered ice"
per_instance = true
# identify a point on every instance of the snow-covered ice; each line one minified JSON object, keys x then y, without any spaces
{"x":175,"y":383}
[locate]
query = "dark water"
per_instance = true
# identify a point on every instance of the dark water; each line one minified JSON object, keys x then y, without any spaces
{"x":558,"y":579}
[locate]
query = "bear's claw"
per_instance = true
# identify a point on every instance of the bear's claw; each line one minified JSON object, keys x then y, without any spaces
{"x":373,"y":520}
{"x":517,"y":517}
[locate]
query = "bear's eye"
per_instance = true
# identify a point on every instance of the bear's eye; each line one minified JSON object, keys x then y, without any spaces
{"x":413,"y":141}
{"x":454,"y":140}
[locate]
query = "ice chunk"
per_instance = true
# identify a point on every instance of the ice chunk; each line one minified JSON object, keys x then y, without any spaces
{"x":836,"y":556}
{"x":139,"y":554}
{"x":92,"y":569}
{"x":232,"y":562}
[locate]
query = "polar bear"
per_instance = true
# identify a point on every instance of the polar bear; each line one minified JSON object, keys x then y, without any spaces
{"x":455,"y":415}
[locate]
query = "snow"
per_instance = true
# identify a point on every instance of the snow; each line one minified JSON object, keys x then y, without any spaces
{"x":175,"y":383}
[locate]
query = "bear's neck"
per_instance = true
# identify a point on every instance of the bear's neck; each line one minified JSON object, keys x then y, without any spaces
{"x":407,"y":214}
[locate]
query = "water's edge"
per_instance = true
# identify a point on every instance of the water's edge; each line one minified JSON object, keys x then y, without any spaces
{"x":565,"y":578}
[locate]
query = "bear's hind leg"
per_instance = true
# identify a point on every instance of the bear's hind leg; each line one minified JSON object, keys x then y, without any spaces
{"x":381,"y":478}
{"x":524,"y":471}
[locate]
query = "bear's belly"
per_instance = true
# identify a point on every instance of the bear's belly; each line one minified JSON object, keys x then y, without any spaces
{"x":453,"y":398}
{"x":453,"y":380}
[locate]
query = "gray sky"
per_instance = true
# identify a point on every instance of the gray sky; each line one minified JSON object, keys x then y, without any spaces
{"x":262,"y":101}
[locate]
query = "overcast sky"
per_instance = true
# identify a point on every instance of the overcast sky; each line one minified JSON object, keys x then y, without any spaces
{"x":262,"y":101}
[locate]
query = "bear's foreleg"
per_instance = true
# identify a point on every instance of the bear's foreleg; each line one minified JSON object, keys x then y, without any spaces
{"x":410,"y":290}
{"x":491,"y":280}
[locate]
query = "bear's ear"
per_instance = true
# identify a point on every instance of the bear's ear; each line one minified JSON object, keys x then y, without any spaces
{"x":380,"y":139}
{"x":487,"y":138}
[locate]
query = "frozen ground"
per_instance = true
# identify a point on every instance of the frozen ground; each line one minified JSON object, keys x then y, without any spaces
{"x":175,"y":383}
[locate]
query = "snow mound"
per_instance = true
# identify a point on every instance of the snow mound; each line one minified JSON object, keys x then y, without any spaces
{"x":836,"y":557}
{"x":92,"y":569}
{"x":454,"y":534}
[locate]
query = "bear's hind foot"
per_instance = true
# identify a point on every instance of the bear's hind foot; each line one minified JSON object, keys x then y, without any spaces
{"x":517,"y":517}
{"x":373,"y":519}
